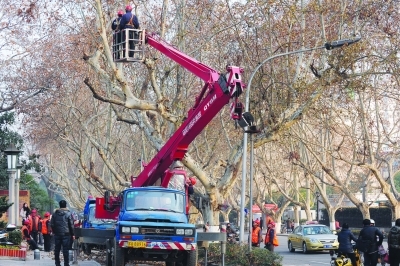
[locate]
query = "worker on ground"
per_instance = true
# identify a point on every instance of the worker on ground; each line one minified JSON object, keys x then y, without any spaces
{"x":115,"y":26}
{"x":34,"y":225}
{"x":271,"y":241}
{"x":129,"y":21}
{"x":27,"y":236}
{"x":256,"y":236}
{"x":46,"y":232}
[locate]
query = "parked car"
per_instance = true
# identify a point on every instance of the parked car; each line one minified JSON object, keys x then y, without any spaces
{"x":312,"y":237}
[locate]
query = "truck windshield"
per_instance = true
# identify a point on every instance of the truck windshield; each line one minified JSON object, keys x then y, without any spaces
{"x":154,"y":200}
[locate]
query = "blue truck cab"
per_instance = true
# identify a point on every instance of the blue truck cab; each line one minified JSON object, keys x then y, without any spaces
{"x":153,"y":225}
{"x":92,"y":238}
{"x":89,"y":219}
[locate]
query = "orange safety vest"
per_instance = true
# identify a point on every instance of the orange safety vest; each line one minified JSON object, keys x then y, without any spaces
{"x":274,"y":241}
{"x":24,"y":227}
{"x":45,"y":230}
{"x":254,"y":235}
{"x":36,"y":222}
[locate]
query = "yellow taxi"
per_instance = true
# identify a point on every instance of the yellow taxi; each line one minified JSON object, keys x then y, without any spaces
{"x":312,"y":237}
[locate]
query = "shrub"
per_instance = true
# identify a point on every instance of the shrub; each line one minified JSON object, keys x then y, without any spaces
{"x":15,"y":237}
{"x":237,"y":255}
{"x":264,"y":257}
{"x":9,"y":247}
{"x":3,"y":224}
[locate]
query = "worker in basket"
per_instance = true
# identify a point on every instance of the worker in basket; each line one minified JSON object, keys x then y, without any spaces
{"x":129,"y":21}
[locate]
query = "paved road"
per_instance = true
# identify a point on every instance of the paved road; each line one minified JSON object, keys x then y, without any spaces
{"x":298,"y":258}
{"x":289,"y":259}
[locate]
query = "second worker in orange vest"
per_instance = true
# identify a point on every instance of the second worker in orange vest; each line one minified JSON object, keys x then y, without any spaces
{"x":46,"y":232}
{"x":256,"y":237}
{"x":34,"y":225}
{"x":271,"y":241}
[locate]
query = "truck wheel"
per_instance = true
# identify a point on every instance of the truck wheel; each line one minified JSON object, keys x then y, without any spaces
{"x":87,"y":249}
{"x":109,"y":251}
{"x":118,"y":255}
{"x":191,"y":258}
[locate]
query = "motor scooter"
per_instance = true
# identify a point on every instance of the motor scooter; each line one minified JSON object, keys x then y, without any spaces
{"x":341,"y":260}
{"x":4,"y":234}
{"x":231,"y":238}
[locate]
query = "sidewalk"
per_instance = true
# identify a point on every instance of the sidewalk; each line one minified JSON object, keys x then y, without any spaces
{"x":46,"y":259}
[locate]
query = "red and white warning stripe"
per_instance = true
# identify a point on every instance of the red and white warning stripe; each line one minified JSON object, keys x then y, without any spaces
{"x":164,"y":245}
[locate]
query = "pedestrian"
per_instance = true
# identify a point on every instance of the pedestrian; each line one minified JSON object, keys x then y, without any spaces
{"x":46,"y":232}
{"x":271,"y":241}
{"x":131,"y":22}
{"x":63,"y":229}
{"x":288,"y":225}
{"x":292,"y":225}
{"x":345,"y":236}
{"x":26,"y":234}
{"x":115,"y":26}
{"x":222,"y":228}
{"x":261,"y":224}
{"x":373,"y":237}
{"x":337,"y":225}
{"x":206,"y":227}
{"x":25,"y":211}
{"x":394,"y":244}
{"x":34,"y":225}
{"x":256,"y":236}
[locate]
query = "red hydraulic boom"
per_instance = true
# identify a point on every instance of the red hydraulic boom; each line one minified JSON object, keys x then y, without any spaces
{"x":218,"y":90}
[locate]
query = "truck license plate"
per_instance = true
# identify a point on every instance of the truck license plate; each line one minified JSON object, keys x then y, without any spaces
{"x":137,"y":244}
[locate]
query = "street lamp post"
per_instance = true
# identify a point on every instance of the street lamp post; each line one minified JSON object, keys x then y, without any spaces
{"x":317,"y":194}
{"x":16,"y":202}
{"x":249,"y":126}
{"x":12,"y":156}
{"x":328,"y":46}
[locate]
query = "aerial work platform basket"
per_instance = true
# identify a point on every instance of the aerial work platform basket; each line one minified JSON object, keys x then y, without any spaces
{"x":128,"y":45}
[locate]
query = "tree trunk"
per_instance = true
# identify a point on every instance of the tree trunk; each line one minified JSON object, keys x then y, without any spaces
{"x":225,"y":214}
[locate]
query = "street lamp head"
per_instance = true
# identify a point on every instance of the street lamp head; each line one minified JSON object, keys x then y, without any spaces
{"x":12,"y":154}
{"x":247,"y":123}
{"x":340,"y":43}
{"x":19,"y":167}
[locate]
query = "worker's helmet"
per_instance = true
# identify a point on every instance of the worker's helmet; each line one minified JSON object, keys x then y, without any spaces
{"x":128,"y":8}
{"x":193,"y":180}
{"x":257,"y":223}
{"x":271,"y":224}
{"x":26,"y":222}
{"x":372,"y":222}
{"x":47,"y":214}
{"x":120,"y":13}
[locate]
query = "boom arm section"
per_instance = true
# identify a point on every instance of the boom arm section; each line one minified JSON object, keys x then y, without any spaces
{"x":218,"y":90}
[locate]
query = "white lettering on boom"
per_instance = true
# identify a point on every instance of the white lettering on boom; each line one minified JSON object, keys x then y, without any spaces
{"x":191,"y":124}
